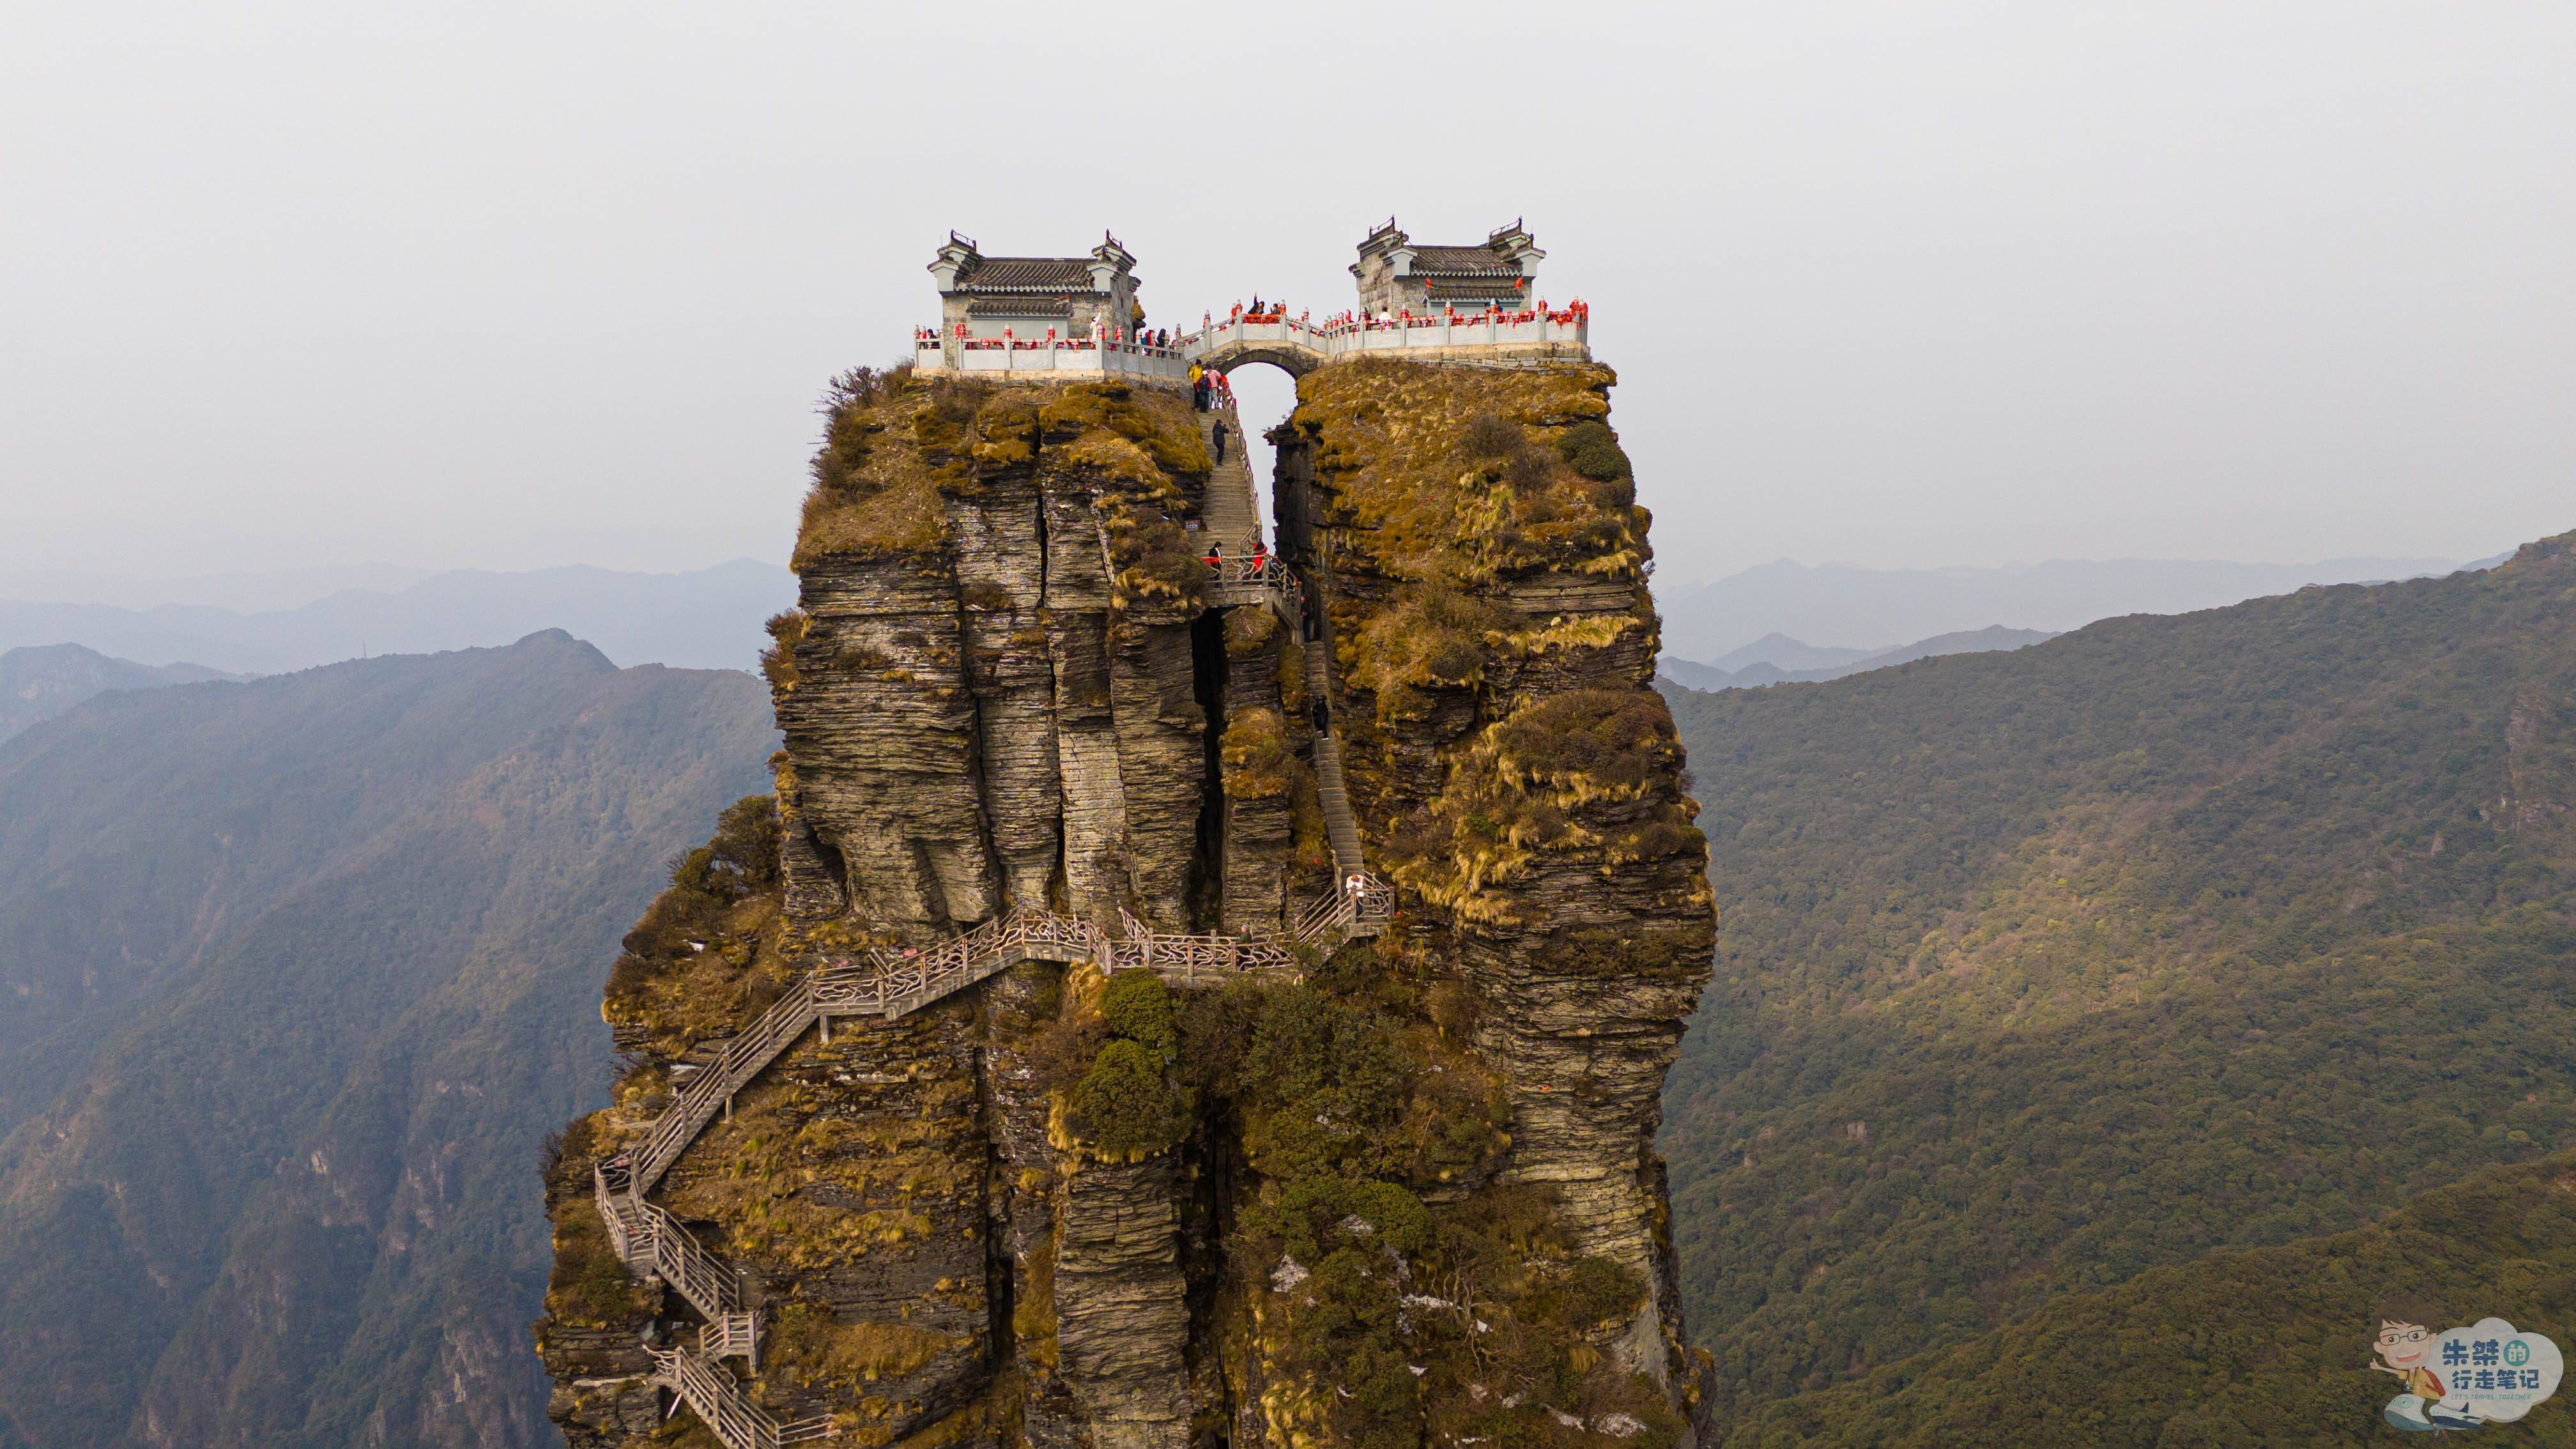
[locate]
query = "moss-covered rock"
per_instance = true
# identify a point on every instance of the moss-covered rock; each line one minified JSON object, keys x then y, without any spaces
{"x":1407,"y":1199}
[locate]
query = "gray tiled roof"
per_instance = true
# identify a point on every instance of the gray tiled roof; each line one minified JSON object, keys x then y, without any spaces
{"x":1461,"y":262}
{"x":1021,"y":307}
{"x":1028,"y":274}
{"x":1495,"y":286}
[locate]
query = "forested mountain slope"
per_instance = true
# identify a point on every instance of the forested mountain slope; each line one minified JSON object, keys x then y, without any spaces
{"x":2038,"y":970}
{"x":299,"y":973}
{"x":41,"y":681}
{"x":2266,"y":1346}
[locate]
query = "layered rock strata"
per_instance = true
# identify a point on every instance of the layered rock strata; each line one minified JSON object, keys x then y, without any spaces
{"x":1480,"y":542}
{"x":1409,"y":1198}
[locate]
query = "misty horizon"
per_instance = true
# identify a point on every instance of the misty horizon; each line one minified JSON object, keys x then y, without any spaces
{"x":272,"y":590}
{"x":1907,"y":288}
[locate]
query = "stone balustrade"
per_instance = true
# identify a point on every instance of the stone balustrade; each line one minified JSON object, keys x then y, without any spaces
{"x":1298,"y":344}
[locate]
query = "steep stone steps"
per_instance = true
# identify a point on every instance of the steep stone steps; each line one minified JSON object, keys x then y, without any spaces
{"x":1340,"y":826}
{"x":1360,"y":902}
{"x":1232,"y":515}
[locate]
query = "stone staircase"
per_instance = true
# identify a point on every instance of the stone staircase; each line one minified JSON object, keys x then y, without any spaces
{"x":1340,"y":826}
{"x":1247,"y":573}
{"x":1232,"y":515}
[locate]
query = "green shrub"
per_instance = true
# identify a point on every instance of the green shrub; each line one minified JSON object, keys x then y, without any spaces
{"x":1594,"y":451}
{"x":1597,"y":1290}
{"x":1348,"y":1332}
{"x":587,"y":1284}
{"x":1123,"y":1106}
{"x":1215,"y":1030}
{"x":1317,"y":1215}
{"x":1137,"y":1007}
{"x":778,"y":661}
{"x":1325,"y":1085}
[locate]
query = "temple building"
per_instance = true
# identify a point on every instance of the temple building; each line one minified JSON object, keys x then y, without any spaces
{"x":1028,"y":295}
{"x":1395,"y":276}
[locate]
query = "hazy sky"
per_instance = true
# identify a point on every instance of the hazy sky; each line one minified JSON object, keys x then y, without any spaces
{"x":503,"y":286}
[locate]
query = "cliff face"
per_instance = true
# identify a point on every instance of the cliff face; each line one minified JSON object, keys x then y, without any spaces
{"x":1403,"y":1194}
{"x":1478,"y":534}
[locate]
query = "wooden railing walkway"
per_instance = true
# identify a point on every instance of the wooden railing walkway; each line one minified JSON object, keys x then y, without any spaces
{"x":889,"y":985}
{"x":1256,"y":579}
{"x":719,"y":1402}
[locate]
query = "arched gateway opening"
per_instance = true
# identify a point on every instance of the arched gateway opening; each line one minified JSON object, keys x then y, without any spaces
{"x":1257,"y":395}
{"x":1293,"y":356}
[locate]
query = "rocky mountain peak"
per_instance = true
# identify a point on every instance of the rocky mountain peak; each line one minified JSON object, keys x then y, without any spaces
{"x":1190,"y":986}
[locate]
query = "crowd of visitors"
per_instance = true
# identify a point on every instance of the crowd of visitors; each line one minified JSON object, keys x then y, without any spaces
{"x":1210,"y":389}
{"x":1257,"y":313}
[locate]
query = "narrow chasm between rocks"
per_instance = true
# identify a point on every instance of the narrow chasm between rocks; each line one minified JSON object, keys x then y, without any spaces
{"x":1207,"y":859}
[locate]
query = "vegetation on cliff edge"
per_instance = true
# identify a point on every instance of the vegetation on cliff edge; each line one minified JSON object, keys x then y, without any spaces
{"x":896,"y":445}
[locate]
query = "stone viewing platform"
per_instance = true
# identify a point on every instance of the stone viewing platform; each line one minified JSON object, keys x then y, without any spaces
{"x":1046,"y":319}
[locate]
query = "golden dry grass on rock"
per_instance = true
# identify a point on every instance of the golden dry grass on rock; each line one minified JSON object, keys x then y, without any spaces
{"x":1409,"y":451}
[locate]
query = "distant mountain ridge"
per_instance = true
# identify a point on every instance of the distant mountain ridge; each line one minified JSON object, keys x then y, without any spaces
{"x":248,"y":591}
{"x":704,"y":619}
{"x":1782,"y":652}
{"x":711,"y":618}
{"x":1849,"y":606}
{"x":42,"y":681}
{"x":300,"y":973}
{"x":1767,"y":660}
